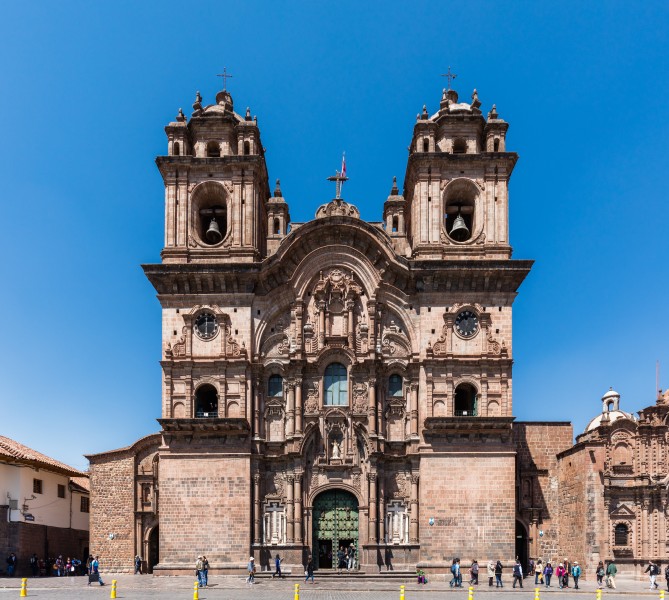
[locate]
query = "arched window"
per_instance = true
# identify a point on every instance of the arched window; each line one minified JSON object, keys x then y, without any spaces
{"x":621,"y":535}
{"x":396,"y":224}
{"x":496,"y":144}
{"x":395,"y":385}
{"x":206,"y":401}
{"x":465,"y":400}
{"x":275,"y":386}
{"x":426,"y":145}
{"x":213,"y":149}
{"x":247,"y":148}
{"x":336,"y":385}
{"x":176,"y":149}
{"x":277,"y":227}
{"x":459,"y":146}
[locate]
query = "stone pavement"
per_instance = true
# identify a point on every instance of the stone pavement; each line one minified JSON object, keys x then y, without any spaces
{"x":326,"y":588}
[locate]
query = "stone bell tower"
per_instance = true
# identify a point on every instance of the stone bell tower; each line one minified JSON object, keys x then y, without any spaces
{"x":456,"y":184}
{"x":215,"y":185}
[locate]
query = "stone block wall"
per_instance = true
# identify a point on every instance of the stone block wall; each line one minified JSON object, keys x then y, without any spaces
{"x":471,"y":496}
{"x":112,"y":510}
{"x":537,"y":445}
{"x":205,"y":508}
{"x":582,"y":510}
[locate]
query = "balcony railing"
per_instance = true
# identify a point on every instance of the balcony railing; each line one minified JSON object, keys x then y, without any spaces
{"x":206,"y":415}
{"x":465,"y":413}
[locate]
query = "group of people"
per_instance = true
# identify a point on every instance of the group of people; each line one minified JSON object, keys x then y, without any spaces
{"x":40,"y":567}
{"x":543,"y":573}
{"x":202,"y":571}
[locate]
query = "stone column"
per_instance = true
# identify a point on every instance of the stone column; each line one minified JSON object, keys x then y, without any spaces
{"x":290,"y":412}
{"x":645,"y":537}
{"x":372,"y":508}
{"x":414,"y":409}
{"x":298,"y":507}
{"x":382,"y":512}
{"x":413,"y":524}
{"x":372,"y":406}
{"x":256,"y":508}
{"x":298,"y":406}
{"x":321,"y":324}
{"x":256,"y":408}
{"x":351,"y":341}
{"x":290,"y":510}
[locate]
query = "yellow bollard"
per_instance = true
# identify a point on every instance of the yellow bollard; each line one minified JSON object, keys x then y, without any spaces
{"x":24,"y":588}
{"x":296,"y":595}
{"x":471,"y":593}
{"x":113,"y":589}
{"x":661,"y":594}
{"x":196,"y":596}
{"x":536,"y":594}
{"x":401,"y":592}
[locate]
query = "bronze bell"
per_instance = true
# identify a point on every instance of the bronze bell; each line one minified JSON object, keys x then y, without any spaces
{"x":459,"y":231}
{"x":213,"y":234}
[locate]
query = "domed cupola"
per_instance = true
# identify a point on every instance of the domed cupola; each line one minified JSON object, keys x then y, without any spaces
{"x":610,"y":411}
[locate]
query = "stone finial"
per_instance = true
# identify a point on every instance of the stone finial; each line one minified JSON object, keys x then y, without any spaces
{"x":475,"y":100}
{"x":277,"y":190}
{"x":424,"y":114}
{"x":394,"y":191}
{"x":248,"y":114}
{"x":197,"y":105}
{"x":493,"y":112}
{"x":180,"y":116}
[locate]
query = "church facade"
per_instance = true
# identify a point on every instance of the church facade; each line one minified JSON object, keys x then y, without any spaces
{"x":336,"y":382}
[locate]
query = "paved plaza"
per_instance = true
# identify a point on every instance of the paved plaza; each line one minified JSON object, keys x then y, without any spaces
{"x":330,"y":588}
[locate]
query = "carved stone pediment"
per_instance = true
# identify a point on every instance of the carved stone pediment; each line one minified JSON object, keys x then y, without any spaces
{"x":337,"y":208}
{"x":622,"y":512}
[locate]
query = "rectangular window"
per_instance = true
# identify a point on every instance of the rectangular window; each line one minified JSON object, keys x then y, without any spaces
{"x":85,"y":504}
{"x":61,"y":491}
{"x":37,"y":486}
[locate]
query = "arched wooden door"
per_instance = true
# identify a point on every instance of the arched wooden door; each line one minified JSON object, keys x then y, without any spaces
{"x":335,"y":525}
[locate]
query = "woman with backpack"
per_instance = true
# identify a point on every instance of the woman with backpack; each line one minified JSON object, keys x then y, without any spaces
{"x":600,"y":575}
{"x":498,"y":574}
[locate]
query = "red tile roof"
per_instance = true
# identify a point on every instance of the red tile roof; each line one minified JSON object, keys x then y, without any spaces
{"x":83,"y":482}
{"x":11,"y":450}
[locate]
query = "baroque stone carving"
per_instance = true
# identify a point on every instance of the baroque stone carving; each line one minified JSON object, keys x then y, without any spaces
{"x":337,"y":208}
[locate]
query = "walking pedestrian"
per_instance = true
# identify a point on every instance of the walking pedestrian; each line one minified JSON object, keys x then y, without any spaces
{"x":567,"y":568}
{"x":517,"y":574}
{"x":251,"y":569}
{"x":199,"y":565}
{"x":277,"y":565}
{"x":653,"y":571}
{"x":576,"y":573}
{"x":351,"y":557}
{"x":309,"y":571}
{"x":611,"y":571}
{"x":474,"y":573}
{"x":11,"y":564}
{"x":538,"y":572}
{"x":559,"y":573}
{"x":341,"y":559}
{"x":205,"y":571}
{"x":548,"y":573}
{"x":138,"y":565}
{"x":34,"y":565}
{"x":498,"y":574}
{"x":601,"y":572}
{"x":95,"y":572}
{"x":491,"y":572}
{"x":666,"y":575}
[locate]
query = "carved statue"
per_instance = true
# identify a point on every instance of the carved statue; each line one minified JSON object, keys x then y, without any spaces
{"x":336,"y":450}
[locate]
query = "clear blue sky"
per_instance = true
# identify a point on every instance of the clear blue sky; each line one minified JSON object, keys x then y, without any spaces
{"x":86,"y":89}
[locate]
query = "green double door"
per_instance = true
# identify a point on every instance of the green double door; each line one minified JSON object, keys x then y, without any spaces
{"x":335,"y":519}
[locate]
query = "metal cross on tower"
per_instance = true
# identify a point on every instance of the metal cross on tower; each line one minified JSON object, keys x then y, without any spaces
{"x":450,"y":76}
{"x":339,"y":179}
{"x":226,"y":76}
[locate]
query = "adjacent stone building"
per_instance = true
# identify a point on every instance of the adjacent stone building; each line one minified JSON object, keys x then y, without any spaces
{"x":336,"y":382}
{"x":44,"y":506}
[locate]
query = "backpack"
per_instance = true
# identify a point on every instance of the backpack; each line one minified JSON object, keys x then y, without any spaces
{"x":654,"y":570}
{"x":453,"y":569}
{"x":516,"y":570}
